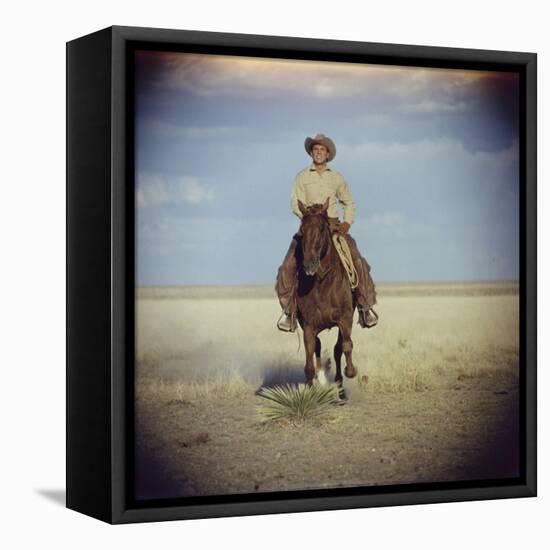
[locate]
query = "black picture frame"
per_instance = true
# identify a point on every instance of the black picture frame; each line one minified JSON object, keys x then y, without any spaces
{"x":100,"y":274}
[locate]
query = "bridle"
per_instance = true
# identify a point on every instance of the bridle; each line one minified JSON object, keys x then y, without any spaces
{"x":325,"y":264}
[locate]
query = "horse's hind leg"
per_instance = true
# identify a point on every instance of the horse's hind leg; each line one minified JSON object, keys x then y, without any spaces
{"x":338,"y":362}
{"x":317,"y":353}
{"x":338,"y":358}
{"x":347,"y":346}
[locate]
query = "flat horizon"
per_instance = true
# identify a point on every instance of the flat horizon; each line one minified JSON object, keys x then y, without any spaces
{"x":381,"y":283}
{"x":384,"y":290}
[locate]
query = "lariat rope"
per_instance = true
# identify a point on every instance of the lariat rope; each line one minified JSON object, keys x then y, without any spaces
{"x":344,"y":252}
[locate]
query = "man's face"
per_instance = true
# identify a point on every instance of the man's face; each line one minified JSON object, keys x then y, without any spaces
{"x":319,"y":154}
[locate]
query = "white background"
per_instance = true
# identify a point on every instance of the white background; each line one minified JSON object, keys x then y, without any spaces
{"x":32,"y":236}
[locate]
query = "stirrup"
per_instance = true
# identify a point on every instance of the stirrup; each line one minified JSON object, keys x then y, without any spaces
{"x":368,"y":318}
{"x":286,"y":323}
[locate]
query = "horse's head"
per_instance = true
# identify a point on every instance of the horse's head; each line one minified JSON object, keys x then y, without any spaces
{"x":315,"y":235}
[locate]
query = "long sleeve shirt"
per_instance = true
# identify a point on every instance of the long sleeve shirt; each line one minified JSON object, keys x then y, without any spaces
{"x":312,"y":187}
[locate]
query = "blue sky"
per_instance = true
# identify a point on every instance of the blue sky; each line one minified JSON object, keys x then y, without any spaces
{"x":430,"y":155}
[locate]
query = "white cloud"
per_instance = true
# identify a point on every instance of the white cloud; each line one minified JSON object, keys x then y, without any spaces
{"x":430,"y":106}
{"x":170,"y":130}
{"x":446,"y":159}
{"x":151,"y":190}
{"x":155,"y":190}
{"x":193,"y":192}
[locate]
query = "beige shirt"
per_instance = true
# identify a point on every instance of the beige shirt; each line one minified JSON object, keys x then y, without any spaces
{"x":312,"y":187}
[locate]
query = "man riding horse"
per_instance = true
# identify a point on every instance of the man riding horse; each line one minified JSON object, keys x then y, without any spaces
{"x":314,"y":185}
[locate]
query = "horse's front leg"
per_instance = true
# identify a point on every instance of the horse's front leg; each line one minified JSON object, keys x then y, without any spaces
{"x":319,"y":369}
{"x":338,"y":362}
{"x":347,"y":347}
{"x":309,"y":343}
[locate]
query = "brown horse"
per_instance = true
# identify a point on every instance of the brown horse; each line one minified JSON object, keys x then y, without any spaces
{"x":324,"y":296}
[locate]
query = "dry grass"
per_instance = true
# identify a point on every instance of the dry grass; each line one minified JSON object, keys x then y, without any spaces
{"x":441,"y":395}
{"x":227,"y":346}
{"x":159,"y":389}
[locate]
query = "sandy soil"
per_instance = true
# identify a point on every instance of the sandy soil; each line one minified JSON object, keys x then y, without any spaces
{"x":441,"y":403}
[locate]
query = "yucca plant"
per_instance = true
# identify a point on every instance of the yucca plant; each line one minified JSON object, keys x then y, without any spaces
{"x":297,"y":403}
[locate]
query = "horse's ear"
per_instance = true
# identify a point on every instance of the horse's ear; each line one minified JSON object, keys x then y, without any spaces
{"x":325,"y":206}
{"x":302,"y":207}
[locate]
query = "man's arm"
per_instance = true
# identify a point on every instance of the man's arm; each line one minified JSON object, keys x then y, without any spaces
{"x":343,"y":194}
{"x":297,"y":194}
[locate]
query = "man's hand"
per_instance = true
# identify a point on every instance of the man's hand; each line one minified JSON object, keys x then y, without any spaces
{"x":343,"y":227}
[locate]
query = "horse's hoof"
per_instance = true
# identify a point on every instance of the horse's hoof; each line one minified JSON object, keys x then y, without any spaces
{"x":350,"y":372}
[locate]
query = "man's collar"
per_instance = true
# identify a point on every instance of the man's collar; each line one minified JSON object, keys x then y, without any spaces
{"x":313,"y":169}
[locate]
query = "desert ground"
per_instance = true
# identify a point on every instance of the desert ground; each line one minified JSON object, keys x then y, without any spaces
{"x":441,"y":402}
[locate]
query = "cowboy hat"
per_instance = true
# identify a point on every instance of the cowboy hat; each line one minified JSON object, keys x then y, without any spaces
{"x":321,"y":139}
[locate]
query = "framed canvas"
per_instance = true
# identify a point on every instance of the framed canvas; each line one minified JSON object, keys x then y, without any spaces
{"x":301,"y":274}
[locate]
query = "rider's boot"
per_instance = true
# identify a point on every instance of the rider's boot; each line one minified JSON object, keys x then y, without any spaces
{"x":368,"y":318}
{"x":286,"y":322}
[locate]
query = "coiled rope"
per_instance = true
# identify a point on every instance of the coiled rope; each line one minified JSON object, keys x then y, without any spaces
{"x":344,"y":252}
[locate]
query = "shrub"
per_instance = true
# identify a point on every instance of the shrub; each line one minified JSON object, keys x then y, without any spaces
{"x":297,"y":404}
